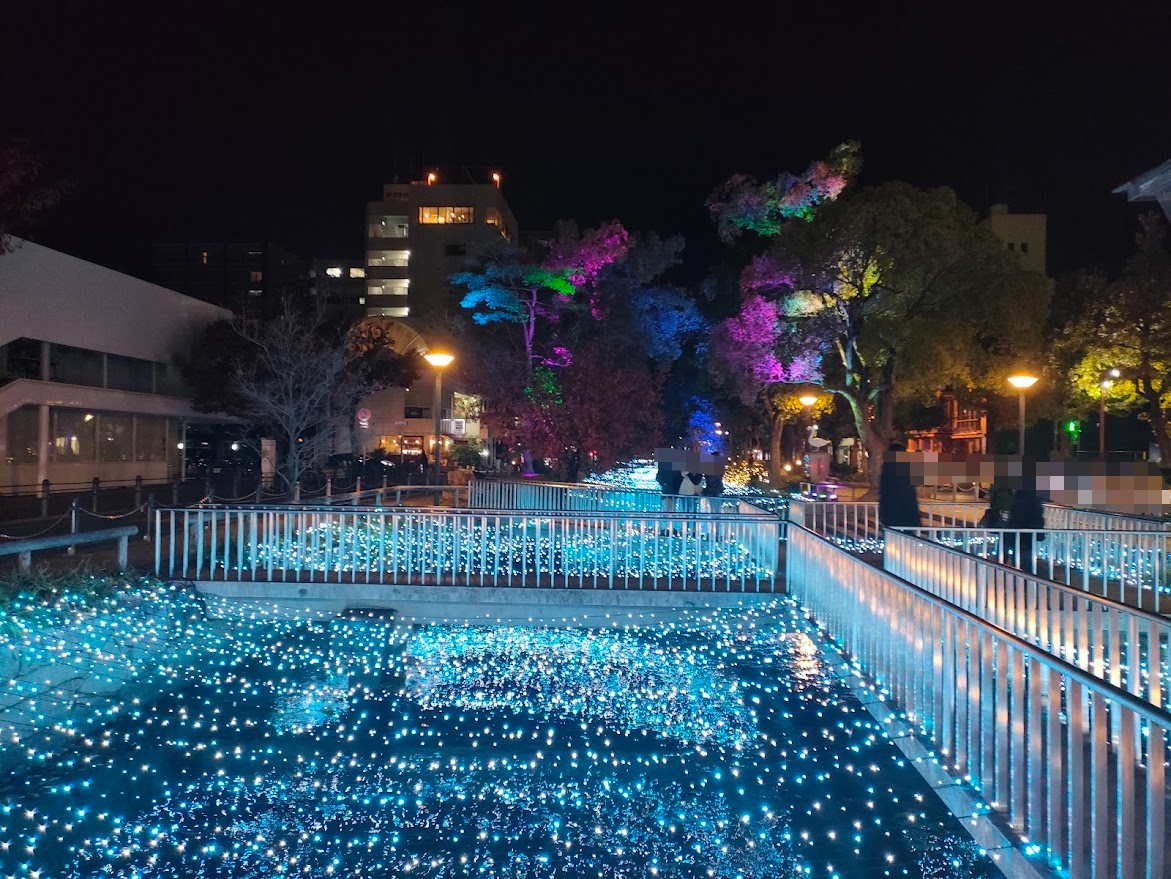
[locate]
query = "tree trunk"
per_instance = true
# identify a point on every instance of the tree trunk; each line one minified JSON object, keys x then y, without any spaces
{"x":1158,"y":420}
{"x":776,"y":431}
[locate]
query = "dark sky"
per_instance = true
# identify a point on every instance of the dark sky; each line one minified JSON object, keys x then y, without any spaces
{"x":206,"y":121}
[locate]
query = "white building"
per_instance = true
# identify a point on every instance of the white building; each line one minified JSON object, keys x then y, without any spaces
{"x":1023,"y":234}
{"x":420,"y":234}
{"x":88,"y":381}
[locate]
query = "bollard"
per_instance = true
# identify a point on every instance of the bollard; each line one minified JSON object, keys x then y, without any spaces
{"x":297,"y":492}
{"x":137,"y":492}
{"x":45,"y":498}
{"x":74,"y":521}
{"x":97,"y":487}
{"x":378,"y":497}
{"x":329,"y":486}
{"x":384,"y":482}
{"x":357,"y":489}
{"x":150,"y":516}
{"x":175,"y":490}
{"x":123,"y":553}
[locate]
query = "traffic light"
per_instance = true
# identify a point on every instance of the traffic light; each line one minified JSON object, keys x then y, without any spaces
{"x":1074,"y":428}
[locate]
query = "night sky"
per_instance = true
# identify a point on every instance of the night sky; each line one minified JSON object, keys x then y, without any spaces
{"x":200,"y":121}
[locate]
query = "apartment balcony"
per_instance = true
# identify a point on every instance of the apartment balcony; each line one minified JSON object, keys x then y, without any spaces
{"x":386,"y":273}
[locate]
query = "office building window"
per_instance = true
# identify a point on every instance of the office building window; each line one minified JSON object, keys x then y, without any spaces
{"x":76,"y":366}
{"x":115,"y":437}
{"x":398,"y":258}
{"x":357,"y":273}
{"x":432,"y":215}
{"x":203,"y":257}
{"x":334,"y":271}
{"x":73,"y":434}
{"x":455,"y":250}
{"x":388,"y":227}
{"x":392,"y":445}
{"x":20,"y":358}
{"x":129,"y":374}
{"x":256,"y":277}
{"x":150,"y":438}
{"x":22,"y":435}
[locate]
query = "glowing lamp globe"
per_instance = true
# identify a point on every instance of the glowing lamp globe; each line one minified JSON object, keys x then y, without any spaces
{"x":807,"y":400}
{"x":439,"y":360}
{"x":1020,"y":382}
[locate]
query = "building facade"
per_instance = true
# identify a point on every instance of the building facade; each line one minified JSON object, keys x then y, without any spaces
{"x":1023,"y":234}
{"x":89,"y":385}
{"x":420,"y":234}
{"x":338,"y":286}
{"x":252,"y":278}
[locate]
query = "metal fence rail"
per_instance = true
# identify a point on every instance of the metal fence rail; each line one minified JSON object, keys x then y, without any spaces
{"x":855,"y":524}
{"x":1130,"y":567}
{"x":1110,"y":640}
{"x":562,"y":497}
{"x":704,"y":552}
{"x":1030,"y":731}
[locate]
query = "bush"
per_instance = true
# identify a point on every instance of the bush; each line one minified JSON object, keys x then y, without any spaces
{"x":469,"y":454}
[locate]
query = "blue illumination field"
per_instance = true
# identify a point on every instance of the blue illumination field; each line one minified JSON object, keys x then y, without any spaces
{"x":721,"y":746}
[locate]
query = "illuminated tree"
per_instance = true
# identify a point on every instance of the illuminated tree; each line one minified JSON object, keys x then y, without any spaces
{"x":891,"y":292}
{"x":1125,"y":324}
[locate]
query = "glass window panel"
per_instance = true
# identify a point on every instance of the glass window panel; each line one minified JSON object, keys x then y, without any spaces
{"x":388,"y":227}
{"x":20,"y":358}
{"x":150,"y":438}
{"x":128,"y":373}
{"x":22,"y":435}
{"x":115,"y":437}
{"x":441,"y":215}
{"x":73,"y":432}
{"x":76,"y":366}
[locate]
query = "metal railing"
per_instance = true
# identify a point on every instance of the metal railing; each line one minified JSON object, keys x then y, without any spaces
{"x":24,"y":549}
{"x":1029,"y":731}
{"x":1130,"y":567}
{"x":564,"y":497}
{"x":1111,"y":640}
{"x":706,"y":552}
{"x":855,"y":523}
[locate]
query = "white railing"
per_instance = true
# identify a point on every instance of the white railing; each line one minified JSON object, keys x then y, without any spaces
{"x":705,"y":552}
{"x":855,"y":524}
{"x":1110,"y":640}
{"x":562,"y":497}
{"x":1130,"y":567}
{"x":1075,"y":518}
{"x":1031,"y":732}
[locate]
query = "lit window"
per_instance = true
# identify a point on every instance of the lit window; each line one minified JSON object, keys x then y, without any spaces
{"x":388,"y":258}
{"x":256,"y":277}
{"x":357,"y":273}
{"x":334,"y":271}
{"x":204,"y":255}
{"x":440,"y":215}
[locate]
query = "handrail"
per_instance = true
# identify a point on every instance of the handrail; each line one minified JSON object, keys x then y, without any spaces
{"x":1093,"y":632}
{"x":598,"y":550}
{"x":23,"y":549}
{"x":1033,"y":733}
{"x":1133,"y":566}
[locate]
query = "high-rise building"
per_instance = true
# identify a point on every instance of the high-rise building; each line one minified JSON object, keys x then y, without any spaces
{"x":247,"y":277}
{"x":420,"y":234}
{"x":339,"y":287}
{"x":1023,"y":234}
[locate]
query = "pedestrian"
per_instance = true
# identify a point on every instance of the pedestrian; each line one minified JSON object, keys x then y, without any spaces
{"x":713,"y":483}
{"x":1026,"y":516}
{"x":670,"y":480}
{"x":898,"y":504}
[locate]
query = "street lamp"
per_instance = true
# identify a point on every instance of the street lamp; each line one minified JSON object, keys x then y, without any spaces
{"x":1106,"y":384}
{"x":1022,"y":383}
{"x":439,"y":361}
{"x":807,"y":400}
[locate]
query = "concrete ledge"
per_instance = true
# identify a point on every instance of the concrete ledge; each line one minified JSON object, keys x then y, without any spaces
{"x":477,"y":603}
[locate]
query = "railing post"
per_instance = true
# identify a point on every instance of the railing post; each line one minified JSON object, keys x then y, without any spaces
{"x":123,"y":552}
{"x":259,"y":490}
{"x":175,"y":490}
{"x":357,"y":489}
{"x":150,"y":515}
{"x":26,"y":560}
{"x":207,"y":486}
{"x":236,"y":484}
{"x":97,"y":486}
{"x":384,"y":482}
{"x":297,"y":492}
{"x":74,"y":521}
{"x":137,"y":492}
{"x":328,"y":487}
{"x":45,"y":485}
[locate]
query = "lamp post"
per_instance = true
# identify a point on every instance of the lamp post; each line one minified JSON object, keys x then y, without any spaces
{"x":439,"y":361}
{"x":1106,"y":384}
{"x":1022,"y":383}
{"x":807,"y":400}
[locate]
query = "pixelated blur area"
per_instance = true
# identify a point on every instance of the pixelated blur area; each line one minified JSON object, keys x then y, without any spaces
{"x":691,"y":462}
{"x":1121,"y":486}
